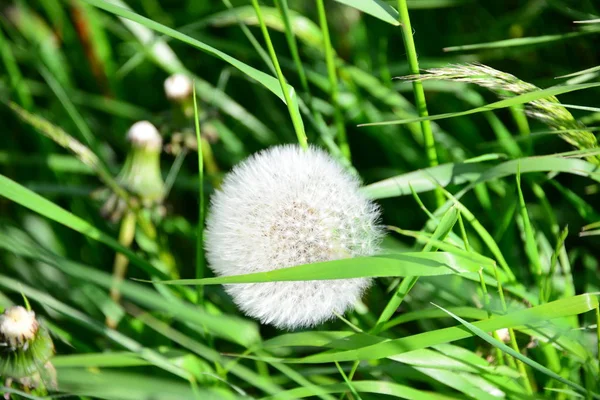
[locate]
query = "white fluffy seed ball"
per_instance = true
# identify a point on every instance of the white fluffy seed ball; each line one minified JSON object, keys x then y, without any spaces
{"x":143,"y":134}
{"x":178,"y":87}
{"x":17,"y":326}
{"x":283,"y":207}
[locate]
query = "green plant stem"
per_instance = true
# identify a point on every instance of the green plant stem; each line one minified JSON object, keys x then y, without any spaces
{"x":284,"y":87}
{"x":513,"y":342}
{"x":413,"y":63}
{"x":598,"y":333}
{"x":283,"y":8}
{"x":200,"y":231}
{"x":126,"y":235}
{"x":333,"y":81}
{"x":486,"y":302}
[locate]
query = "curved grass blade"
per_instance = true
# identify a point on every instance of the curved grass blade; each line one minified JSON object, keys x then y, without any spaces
{"x":510,"y":102}
{"x":266,"y":80}
{"x":402,"y":264}
{"x":443,"y":175}
{"x":302,"y":26}
{"x":25,"y":197}
{"x":375,"y":387}
{"x":488,"y":338}
{"x":376,"y":8}
{"x":517,"y":42}
{"x":391,"y":347}
{"x":228,"y":327}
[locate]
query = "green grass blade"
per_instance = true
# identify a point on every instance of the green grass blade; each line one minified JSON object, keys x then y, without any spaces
{"x":391,"y":347}
{"x":488,"y":338}
{"x":376,"y":8}
{"x":200,"y":229}
{"x":25,"y":197}
{"x":531,"y":248}
{"x":289,"y":93}
{"x":375,"y":387}
{"x":402,"y":264}
{"x":267,"y":81}
{"x":446,"y":174}
{"x":518,"y":42}
{"x":510,"y":102}
{"x":445,"y":226}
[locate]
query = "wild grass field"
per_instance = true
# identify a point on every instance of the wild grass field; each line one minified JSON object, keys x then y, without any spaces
{"x":458,"y":154}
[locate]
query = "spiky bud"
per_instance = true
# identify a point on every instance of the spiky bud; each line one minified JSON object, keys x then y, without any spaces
{"x":18,"y":326}
{"x":283,"y":207}
{"x":25,"y":346}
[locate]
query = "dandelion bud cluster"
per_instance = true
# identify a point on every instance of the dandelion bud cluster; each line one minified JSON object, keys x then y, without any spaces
{"x":283,"y":207}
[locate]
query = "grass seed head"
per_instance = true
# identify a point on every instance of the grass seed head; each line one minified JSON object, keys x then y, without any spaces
{"x":283,"y":207}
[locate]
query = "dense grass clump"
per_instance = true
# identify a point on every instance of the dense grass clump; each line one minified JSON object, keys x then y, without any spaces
{"x":465,"y":129}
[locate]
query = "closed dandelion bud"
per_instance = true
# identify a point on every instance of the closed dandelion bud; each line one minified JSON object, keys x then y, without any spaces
{"x":178,"y":87}
{"x":141,"y":173}
{"x":25,"y":346}
{"x":283,"y":207}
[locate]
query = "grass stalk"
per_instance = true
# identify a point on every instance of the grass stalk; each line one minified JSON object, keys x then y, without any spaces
{"x":284,"y":10}
{"x":598,"y":334}
{"x":200,"y":230}
{"x":333,"y":81}
{"x":513,"y":341}
{"x":298,"y":128}
{"x":420,"y":102}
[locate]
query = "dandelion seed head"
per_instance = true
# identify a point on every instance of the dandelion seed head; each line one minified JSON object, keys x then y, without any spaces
{"x":17,"y":326}
{"x":283,"y":207}
{"x":178,"y":87}
{"x":143,"y":134}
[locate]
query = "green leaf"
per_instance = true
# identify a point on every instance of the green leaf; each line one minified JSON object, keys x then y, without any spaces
{"x":221,"y":325}
{"x":375,"y":8}
{"x":25,"y":197}
{"x":376,"y":387}
{"x":304,"y":28}
{"x":526,"y":41}
{"x":448,"y":174}
{"x":510,"y":102}
{"x":403,"y":264}
{"x":106,"y":384}
{"x":266,"y":80}
{"x":535,"y":316}
{"x":488,"y":338}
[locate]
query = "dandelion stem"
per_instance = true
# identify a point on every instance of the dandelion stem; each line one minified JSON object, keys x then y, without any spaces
{"x":333,"y":81}
{"x":287,"y":90}
{"x":413,"y":63}
{"x":126,"y":235}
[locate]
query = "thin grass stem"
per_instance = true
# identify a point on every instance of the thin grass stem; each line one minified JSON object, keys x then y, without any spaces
{"x":513,"y":342}
{"x":283,"y":8}
{"x":333,"y":81}
{"x":284,"y":87}
{"x":413,"y":63}
{"x":200,"y":232}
